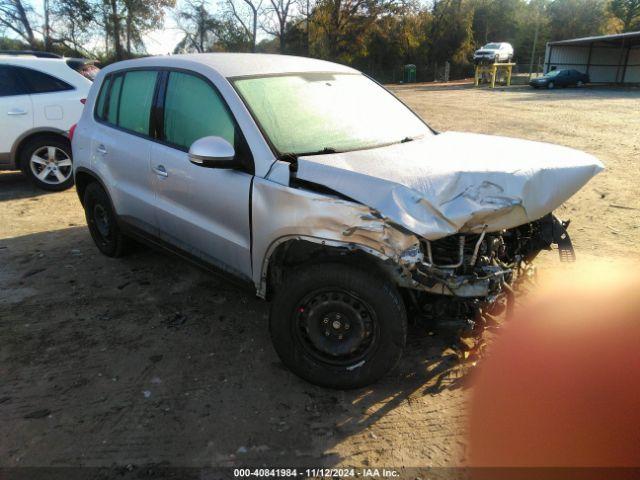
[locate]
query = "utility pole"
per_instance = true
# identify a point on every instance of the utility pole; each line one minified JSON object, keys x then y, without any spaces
{"x":308,"y":30}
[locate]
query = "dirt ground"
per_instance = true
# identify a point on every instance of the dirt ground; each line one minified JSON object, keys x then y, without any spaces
{"x":147,"y":360}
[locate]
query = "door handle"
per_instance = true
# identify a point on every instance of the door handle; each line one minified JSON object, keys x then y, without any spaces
{"x":160,"y":170}
{"x":101,"y":149}
{"x":17,"y":111}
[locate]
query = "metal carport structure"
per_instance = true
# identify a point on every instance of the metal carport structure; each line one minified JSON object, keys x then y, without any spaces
{"x":606,"y":58}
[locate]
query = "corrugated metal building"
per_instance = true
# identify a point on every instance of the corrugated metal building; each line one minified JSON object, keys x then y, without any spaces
{"x":607,"y":59}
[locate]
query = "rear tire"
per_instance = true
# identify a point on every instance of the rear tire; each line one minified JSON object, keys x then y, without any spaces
{"x":47,"y":162}
{"x":338,"y":326}
{"x":102,"y":222}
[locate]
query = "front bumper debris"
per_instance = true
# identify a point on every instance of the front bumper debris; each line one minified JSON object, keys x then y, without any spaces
{"x":479,"y":266}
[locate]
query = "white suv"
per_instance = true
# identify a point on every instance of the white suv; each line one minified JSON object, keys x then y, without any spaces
{"x":496,"y":52}
{"x":40,"y":99}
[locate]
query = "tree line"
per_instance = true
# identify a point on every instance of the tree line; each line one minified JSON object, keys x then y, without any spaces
{"x":375,"y":36}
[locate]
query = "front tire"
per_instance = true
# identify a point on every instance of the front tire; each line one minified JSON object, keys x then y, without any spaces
{"x":338,"y":326}
{"x":47,"y":162}
{"x":551,"y":85}
{"x":102,"y":222}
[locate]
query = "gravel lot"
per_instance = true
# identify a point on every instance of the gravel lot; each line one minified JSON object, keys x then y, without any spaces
{"x":147,"y":360}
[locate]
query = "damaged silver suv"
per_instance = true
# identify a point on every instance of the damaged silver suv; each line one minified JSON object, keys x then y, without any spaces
{"x":322,"y":191}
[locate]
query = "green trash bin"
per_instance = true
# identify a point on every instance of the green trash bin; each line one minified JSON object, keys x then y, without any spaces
{"x":409,"y":73}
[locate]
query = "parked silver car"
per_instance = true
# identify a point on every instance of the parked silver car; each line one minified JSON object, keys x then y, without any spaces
{"x":320,"y":190}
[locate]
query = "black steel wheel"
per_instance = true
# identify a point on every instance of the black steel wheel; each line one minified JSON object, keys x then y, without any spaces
{"x":338,"y":326}
{"x":102,"y":221}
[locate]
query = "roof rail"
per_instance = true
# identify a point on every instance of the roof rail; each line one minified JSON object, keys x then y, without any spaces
{"x":35,"y":53}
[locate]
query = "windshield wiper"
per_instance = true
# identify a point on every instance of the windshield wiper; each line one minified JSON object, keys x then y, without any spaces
{"x":292,"y":157}
{"x":295,"y":156}
{"x":324,"y":151}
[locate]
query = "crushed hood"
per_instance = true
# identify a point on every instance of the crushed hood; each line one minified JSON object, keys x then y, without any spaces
{"x":456,"y":182}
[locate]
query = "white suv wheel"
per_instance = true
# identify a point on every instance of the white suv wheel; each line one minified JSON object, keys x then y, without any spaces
{"x":47,"y":162}
{"x":51,"y":165}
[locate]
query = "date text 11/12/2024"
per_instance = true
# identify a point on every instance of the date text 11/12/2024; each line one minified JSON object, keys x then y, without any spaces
{"x":316,"y":472}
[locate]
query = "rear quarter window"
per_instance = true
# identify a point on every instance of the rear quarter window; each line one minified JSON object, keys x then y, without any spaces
{"x":40,"y":82}
{"x":125,"y":100}
{"x":113,"y":101}
{"x":102,"y":99}
{"x":108,"y":99}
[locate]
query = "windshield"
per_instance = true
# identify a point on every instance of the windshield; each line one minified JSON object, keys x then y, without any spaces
{"x":327,"y":112}
{"x":553,"y":73}
{"x":492,"y":46}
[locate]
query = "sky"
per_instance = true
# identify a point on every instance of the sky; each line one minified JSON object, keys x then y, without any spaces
{"x":161,"y":42}
{"x":157,"y":42}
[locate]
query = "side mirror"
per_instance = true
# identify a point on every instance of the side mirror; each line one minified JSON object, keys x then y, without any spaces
{"x":214,"y":152}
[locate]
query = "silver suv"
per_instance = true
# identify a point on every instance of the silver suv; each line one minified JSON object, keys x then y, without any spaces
{"x":322,"y":192}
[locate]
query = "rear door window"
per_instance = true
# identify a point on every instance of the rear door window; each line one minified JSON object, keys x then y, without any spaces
{"x":194,"y":109}
{"x":136,"y":97}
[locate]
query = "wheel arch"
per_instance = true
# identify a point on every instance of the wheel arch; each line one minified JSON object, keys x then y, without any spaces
{"x":26,"y":137}
{"x":83,"y":177}
{"x":293,"y":251}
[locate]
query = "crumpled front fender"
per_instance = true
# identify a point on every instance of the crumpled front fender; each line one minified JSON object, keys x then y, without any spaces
{"x":282,"y":213}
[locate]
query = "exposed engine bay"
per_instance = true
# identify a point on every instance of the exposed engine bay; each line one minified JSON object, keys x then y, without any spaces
{"x":461,"y":274}
{"x":477,"y":265}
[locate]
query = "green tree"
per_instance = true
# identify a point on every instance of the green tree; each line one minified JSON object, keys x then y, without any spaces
{"x":496,"y":20}
{"x":140,"y":17}
{"x":72,"y":24}
{"x":451,"y":35}
{"x":278,"y":19}
{"x":246,"y":14}
{"x":339,"y":27}
{"x":204,"y":32}
{"x":628,"y":12}
{"x":578,"y":18}
{"x":198,"y":26}
{"x":16,"y":16}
